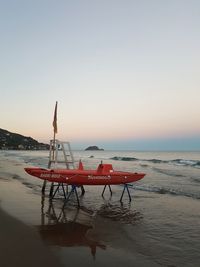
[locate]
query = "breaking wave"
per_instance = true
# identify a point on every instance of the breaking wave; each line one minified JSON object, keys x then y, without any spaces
{"x":169,"y":172}
{"x":181,"y":162}
{"x":117,"y":213}
{"x":165,"y":190}
{"x":124,"y":158}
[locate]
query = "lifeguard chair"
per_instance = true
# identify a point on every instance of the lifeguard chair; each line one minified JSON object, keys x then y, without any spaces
{"x":60,"y":156}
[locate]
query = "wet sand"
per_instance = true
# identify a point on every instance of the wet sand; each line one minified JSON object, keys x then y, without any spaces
{"x":154,"y":230}
{"x":21,"y":245}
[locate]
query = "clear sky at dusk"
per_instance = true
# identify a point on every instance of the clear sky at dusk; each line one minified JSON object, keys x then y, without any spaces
{"x":125,"y":73}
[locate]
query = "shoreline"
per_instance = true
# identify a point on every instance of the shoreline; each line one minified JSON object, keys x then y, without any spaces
{"x":21,"y":246}
{"x":154,"y":230}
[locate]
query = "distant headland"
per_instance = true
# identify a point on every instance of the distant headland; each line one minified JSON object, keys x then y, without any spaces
{"x":93,"y":148}
{"x":14,"y":141}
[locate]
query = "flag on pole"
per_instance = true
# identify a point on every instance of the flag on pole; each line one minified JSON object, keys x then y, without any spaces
{"x":55,"y":119}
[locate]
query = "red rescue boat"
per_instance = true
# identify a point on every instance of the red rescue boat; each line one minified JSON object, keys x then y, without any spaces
{"x":103,"y":175}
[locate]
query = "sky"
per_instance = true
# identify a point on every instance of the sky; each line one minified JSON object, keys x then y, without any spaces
{"x":125,"y":73}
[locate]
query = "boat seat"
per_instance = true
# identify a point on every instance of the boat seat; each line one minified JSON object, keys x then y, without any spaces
{"x":105,"y":168}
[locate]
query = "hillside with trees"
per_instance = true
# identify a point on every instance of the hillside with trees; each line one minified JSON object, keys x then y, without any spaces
{"x":15,"y":141}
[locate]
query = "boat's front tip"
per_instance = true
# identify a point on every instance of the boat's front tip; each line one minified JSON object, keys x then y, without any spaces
{"x":32,"y":171}
{"x":28,"y":170}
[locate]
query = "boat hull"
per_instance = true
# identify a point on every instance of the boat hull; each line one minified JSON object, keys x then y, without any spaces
{"x":85,"y":177}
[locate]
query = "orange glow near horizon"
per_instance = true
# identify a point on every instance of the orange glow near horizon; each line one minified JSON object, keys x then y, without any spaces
{"x":127,"y":80}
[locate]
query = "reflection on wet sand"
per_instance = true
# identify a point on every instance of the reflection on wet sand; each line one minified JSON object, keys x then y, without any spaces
{"x":96,"y":227}
{"x":66,"y":226}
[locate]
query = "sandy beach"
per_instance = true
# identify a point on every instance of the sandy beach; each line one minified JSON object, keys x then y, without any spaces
{"x":154,"y":230}
{"x":21,"y":246}
{"x":20,"y":243}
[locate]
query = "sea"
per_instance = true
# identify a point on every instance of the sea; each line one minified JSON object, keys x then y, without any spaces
{"x":159,"y":227}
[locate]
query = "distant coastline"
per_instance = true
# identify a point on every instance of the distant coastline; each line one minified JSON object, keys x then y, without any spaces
{"x":15,"y":141}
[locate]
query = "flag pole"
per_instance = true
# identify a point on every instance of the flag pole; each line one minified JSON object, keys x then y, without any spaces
{"x":55,"y":129}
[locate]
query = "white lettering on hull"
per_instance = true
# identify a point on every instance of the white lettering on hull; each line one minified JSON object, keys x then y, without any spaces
{"x":50,"y":175}
{"x":91,"y":177}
